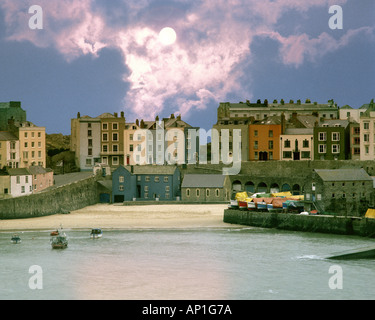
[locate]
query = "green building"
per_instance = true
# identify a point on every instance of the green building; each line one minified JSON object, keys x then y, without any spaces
{"x":332,"y":140}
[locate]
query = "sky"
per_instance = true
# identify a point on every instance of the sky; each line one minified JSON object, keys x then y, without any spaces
{"x":96,"y":56}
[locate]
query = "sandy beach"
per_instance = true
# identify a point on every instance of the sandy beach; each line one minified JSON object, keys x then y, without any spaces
{"x":109,"y":216}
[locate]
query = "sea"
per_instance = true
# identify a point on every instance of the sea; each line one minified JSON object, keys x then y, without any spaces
{"x":231,"y":263}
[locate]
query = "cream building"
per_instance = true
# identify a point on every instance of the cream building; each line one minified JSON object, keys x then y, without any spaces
{"x":367,"y":133}
{"x":32,"y":141}
{"x":297,"y":144}
{"x":9,"y":150}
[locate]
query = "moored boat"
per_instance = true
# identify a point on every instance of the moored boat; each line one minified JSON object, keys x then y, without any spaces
{"x":16,"y":239}
{"x":251,"y":205}
{"x":60,"y":241}
{"x":242,"y":205}
{"x":96,"y":233}
{"x":233,"y":204}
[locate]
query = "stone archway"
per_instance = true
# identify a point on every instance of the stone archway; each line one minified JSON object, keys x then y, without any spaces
{"x":262,"y":187}
{"x":250,"y":187}
{"x":296,"y":190}
{"x":237,"y":185}
{"x":274,"y":188}
{"x":285,"y":187}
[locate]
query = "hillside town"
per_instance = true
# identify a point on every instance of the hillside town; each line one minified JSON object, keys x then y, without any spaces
{"x":331,"y":149}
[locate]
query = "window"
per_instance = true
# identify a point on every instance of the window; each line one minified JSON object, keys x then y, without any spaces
{"x":121,"y":179}
{"x":255,"y":133}
{"x":115,"y":126}
{"x":114,"y":136}
{"x":335,"y":148}
{"x":188,"y":192}
{"x":167,"y":188}
{"x":89,"y":133}
{"x":197,"y":192}
{"x":105,"y":136}
{"x":89,"y":152}
{"x":115,"y":160}
{"x":305,"y":154}
{"x":25,"y":144}
{"x":115,"y":148}
{"x":287,"y":154}
{"x":105,"y":148}
{"x":305,"y":143}
{"x":322,"y":136}
{"x":18,"y":180}
{"x":217,"y":192}
{"x":256,"y":155}
{"x":270,"y":133}
{"x":27,"y":179}
{"x":366,"y":137}
{"x":25,"y":134}
{"x":88,"y":162}
{"x":89,"y":125}
{"x":366,"y":125}
{"x":270,"y":144}
{"x":120,"y":187}
{"x":39,"y":154}
{"x":322,"y":148}
{"x":147,"y":178}
{"x":131,"y":148}
{"x":335,"y":136}
{"x":146,"y":188}
{"x":167,"y":196}
{"x":89,"y":142}
{"x":286,"y":144}
{"x":23,"y":189}
{"x":105,"y":126}
{"x":357,"y":140}
{"x":356,"y":130}
{"x":156,"y":179}
{"x":255,"y":144}
{"x":166,"y":179}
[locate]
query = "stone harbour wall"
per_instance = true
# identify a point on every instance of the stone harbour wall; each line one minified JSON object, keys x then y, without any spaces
{"x":58,"y":200}
{"x":306,"y":223}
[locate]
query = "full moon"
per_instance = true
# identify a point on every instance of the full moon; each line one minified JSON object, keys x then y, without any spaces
{"x":167,"y":36}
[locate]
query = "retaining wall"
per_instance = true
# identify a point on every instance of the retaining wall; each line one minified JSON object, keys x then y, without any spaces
{"x":308,"y":223}
{"x":59,"y":200}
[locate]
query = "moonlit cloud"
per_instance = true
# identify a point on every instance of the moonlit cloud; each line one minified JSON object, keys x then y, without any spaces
{"x":206,"y":63}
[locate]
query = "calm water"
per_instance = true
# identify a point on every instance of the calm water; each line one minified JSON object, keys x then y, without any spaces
{"x":244,"y":263}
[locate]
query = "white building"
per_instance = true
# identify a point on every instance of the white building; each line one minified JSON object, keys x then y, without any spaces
{"x":21,"y":182}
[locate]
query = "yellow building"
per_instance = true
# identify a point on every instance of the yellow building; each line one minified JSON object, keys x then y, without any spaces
{"x":32,"y":145}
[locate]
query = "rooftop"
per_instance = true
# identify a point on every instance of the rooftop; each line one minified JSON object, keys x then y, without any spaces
{"x":203,"y":181}
{"x":358,"y":174}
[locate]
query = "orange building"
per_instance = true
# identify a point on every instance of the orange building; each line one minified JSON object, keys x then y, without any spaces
{"x":264,"y":139}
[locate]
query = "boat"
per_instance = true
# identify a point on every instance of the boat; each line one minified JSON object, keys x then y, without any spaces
{"x":251,"y":205}
{"x":242,"y":205}
{"x":233,"y":204}
{"x":55,"y":233}
{"x":16,"y":239}
{"x":261,"y":205}
{"x":60,"y":241}
{"x":96,"y":233}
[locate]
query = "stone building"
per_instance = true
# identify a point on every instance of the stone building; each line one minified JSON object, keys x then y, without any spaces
{"x":11,"y":111}
{"x":339,"y":191}
{"x":206,"y":188}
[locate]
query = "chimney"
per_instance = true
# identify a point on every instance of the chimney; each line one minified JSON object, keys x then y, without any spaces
{"x":115,"y":114}
{"x":282,"y":123}
{"x":157,"y":118}
{"x":142,"y":124}
{"x":172,"y":116}
{"x":78,"y":115}
{"x":179,"y":117}
{"x":122,"y":114}
{"x":137,"y":122}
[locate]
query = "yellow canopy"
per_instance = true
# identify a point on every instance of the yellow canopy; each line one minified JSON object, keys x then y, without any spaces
{"x":299,"y":197}
{"x":281,"y":194}
{"x":370,"y":213}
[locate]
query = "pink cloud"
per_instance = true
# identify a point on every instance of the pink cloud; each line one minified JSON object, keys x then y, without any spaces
{"x":206,"y":62}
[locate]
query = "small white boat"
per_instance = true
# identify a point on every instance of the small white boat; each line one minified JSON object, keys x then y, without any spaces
{"x":233,"y":204}
{"x":251,"y":205}
{"x":261,"y":205}
{"x":96,"y":233}
{"x":16,"y":239}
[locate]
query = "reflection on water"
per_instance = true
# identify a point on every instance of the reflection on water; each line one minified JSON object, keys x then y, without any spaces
{"x":243,"y":263}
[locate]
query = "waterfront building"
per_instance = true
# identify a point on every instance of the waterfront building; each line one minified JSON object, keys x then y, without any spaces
{"x":20,"y":182}
{"x":9,"y":150}
{"x":367,"y":133}
{"x":148,"y":182}
{"x":331,"y":139}
{"x":41,"y":178}
{"x":4,"y":185}
{"x":340,"y":191}
{"x":206,"y":188}
{"x":85,"y":141}
{"x":11,"y":111}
